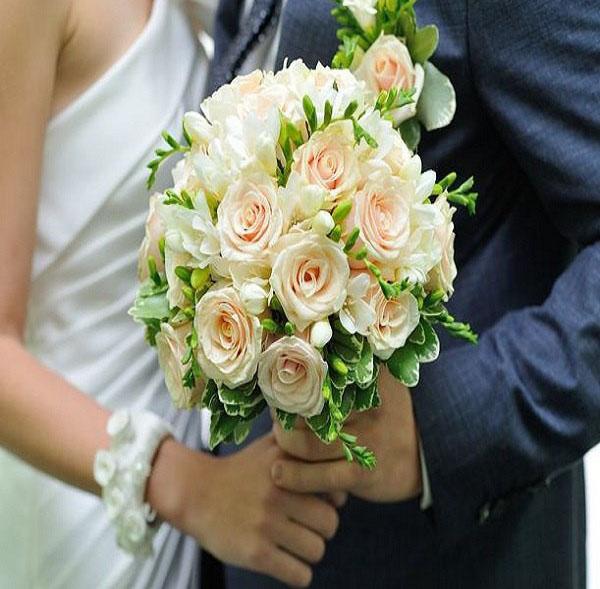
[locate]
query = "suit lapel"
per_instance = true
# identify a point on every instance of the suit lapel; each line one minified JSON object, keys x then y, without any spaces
{"x":308,"y":31}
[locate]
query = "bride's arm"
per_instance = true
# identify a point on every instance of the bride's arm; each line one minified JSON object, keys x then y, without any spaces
{"x":58,"y":429}
{"x":44,"y":420}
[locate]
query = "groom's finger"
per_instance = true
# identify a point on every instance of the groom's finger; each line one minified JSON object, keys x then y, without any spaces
{"x":318,"y":477}
{"x":303,"y":444}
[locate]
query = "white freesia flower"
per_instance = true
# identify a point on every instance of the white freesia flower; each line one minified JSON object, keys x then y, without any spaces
{"x":300,"y":200}
{"x":323,"y":223}
{"x":357,"y":315}
{"x":185,"y":177}
{"x":191,"y":231}
{"x":423,"y":250}
{"x":198,"y":128}
{"x":364,"y":11}
{"x":291,"y":374}
{"x":229,"y":338}
{"x":310,"y":275}
{"x":443,"y":275}
{"x":395,"y":320}
{"x":171,"y":347}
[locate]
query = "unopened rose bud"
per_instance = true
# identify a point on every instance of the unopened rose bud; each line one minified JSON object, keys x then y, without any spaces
{"x":254,"y":298}
{"x":320,"y":334}
{"x":323,"y":223}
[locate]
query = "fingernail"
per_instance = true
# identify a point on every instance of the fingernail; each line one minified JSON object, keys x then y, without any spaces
{"x":276,"y":472}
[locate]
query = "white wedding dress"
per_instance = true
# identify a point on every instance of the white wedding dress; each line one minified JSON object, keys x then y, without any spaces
{"x":92,"y":209}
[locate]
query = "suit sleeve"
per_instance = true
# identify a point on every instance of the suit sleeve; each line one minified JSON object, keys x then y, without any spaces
{"x":501,"y":417}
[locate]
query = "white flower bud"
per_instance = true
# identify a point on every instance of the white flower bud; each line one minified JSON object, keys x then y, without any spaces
{"x":323,"y":223}
{"x":320,"y":333}
{"x":198,"y":128}
{"x":254,"y":298}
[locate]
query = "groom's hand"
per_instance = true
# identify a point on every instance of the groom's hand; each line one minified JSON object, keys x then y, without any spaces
{"x":390,"y":431}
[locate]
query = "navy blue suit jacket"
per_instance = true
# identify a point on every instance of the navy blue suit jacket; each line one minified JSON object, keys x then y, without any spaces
{"x":504,"y":425}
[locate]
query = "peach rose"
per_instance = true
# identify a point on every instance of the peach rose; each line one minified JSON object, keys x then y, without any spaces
{"x":328,"y":160}
{"x":382,"y":213}
{"x":387,"y":64}
{"x":309,"y":277}
{"x":171,"y":347}
{"x":155,"y":230}
{"x":250,"y":220}
{"x":229,"y":338}
{"x":291,"y":374}
{"x":443,"y":275}
{"x":395,"y":320}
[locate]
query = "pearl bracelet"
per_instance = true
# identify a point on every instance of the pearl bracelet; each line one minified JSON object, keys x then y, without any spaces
{"x":123,"y":470}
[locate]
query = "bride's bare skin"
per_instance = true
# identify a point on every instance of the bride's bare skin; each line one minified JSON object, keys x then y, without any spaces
{"x":50,"y":52}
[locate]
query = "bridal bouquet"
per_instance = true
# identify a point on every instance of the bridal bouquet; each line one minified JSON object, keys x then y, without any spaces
{"x":302,"y":246}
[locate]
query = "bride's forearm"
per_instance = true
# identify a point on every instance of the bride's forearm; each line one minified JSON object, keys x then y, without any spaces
{"x":46,"y":421}
{"x":57,"y":429}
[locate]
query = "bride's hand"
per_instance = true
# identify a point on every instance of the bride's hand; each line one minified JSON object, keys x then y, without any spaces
{"x":233,"y":509}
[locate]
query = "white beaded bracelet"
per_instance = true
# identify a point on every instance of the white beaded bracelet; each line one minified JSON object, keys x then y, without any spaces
{"x":123,"y":470}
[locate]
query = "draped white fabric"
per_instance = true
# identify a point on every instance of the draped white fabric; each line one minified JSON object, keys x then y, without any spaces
{"x":93,"y":204}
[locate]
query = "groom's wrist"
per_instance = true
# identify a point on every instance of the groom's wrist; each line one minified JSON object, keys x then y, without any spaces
{"x":174,"y":481}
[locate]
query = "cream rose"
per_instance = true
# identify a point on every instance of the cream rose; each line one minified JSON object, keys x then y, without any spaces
{"x":387,"y":64}
{"x":155,"y":230}
{"x":310,"y":275}
{"x":443,"y":275}
{"x":229,"y":338}
{"x":382,"y":213}
{"x":328,"y":160}
{"x":395,"y":320}
{"x":250,"y":220}
{"x":171,"y":347}
{"x":291,"y":374}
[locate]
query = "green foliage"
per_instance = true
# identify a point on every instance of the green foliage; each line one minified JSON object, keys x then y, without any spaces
{"x":462,"y":196}
{"x":423,"y":43}
{"x":163,"y":154}
{"x":422,"y":346}
{"x":389,"y":101}
{"x":287,"y":420}
{"x":232,"y":411}
{"x":410,"y":130}
{"x":151,"y":307}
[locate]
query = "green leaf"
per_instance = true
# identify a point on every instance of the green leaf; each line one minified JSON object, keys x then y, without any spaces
{"x":338,"y":381}
{"x":287,"y":420}
{"x":404,"y":365}
{"x":429,"y":350}
{"x":437,"y":103}
{"x":229,"y":396}
{"x":241,"y":431}
{"x":363,"y":371}
{"x":151,"y":307}
{"x":347,"y":403}
{"x":411,"y":133}
{"x":424,"y":43}
{"x":221,"y":428}
{"x":319,"y":424}
{"x":417,"y":336}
